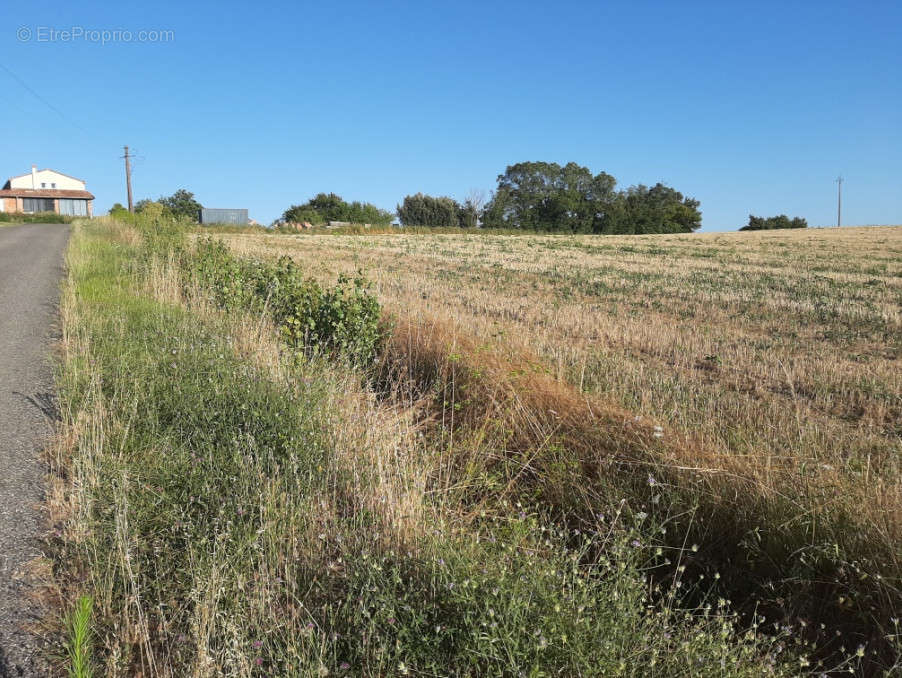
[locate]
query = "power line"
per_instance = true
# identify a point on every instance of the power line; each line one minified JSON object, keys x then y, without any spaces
{"x":42,"y":99}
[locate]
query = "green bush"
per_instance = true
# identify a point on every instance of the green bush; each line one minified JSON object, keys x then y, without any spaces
{"x":326,"y":207}
{"x":344,"y":319}
{"x":163,"y":233}
{"x":443,"y":212}
{"x":778,"y":222}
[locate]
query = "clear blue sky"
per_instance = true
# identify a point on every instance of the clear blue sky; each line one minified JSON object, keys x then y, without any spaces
{"x":747,"y":107}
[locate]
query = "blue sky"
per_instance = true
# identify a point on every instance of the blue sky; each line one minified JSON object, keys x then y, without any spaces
{"x":752,"y":107}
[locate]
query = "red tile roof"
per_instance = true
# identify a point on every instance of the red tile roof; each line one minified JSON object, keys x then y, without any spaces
{"x":44,"y":193}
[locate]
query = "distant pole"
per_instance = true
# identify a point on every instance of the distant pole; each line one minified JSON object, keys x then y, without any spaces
{"x":838,"y":201}
{"x":128,"y":180}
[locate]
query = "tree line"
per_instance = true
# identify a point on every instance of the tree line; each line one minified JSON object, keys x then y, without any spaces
{"x":529,"y":196}
{"x":542,"y":196}
{"x":532,"y":196}
{"x":426,"y":210}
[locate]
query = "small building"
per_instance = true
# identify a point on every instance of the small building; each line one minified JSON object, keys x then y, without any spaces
{"x":46,"y":190}
{"x":212,"y":215}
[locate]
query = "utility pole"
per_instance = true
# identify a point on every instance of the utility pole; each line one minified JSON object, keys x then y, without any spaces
{"x":839,"y":201}
{"x":128,"y":180}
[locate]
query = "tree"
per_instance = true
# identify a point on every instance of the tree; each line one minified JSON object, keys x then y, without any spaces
{"x":182,"y":204}
{"x":473,"y":208}
{"x":548,"y":197}
{"x":329,"y":205}
{"x":524,"y":197}
{"x":659,"y":209}
{"x":426,"y":210}
{"x":779,"y":221}
{"x":467,"y":215}
{"x":299,"y":214}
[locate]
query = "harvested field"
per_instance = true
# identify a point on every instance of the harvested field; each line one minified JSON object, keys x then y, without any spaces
{"x":773,"y":346}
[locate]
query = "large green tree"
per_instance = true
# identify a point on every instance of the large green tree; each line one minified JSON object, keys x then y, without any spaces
{"x":545,"y":196}
{"x":182,"y":204}
{"x":658,"y":209}
{"x":549,"y":197}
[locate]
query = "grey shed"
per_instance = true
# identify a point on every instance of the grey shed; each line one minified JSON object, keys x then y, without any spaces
{"x":210,"y":215}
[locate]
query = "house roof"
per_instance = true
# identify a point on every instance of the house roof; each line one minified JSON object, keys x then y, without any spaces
{"x":46,"y":169}
{"x":44,"y":193}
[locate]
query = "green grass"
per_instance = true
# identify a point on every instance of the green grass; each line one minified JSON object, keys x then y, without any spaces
{"x":226,"y":520}
{"x":78,"y":643}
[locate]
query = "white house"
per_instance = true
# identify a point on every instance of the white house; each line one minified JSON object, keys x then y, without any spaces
{"x":46,"y":190}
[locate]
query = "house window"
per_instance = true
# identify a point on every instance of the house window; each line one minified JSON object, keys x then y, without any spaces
{"x":43,"y":185}
{"x":32,"y":205}
{"x":73,"y":208}
{"x":52,"y":185}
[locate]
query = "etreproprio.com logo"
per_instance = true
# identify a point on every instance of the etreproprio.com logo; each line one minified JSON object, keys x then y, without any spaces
{"x":100,"y":36}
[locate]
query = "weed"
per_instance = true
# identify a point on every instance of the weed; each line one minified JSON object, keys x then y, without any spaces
{"x":78,"y":642}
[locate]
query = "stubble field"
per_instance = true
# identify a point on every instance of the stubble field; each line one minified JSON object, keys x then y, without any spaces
{"x":779,"y":348}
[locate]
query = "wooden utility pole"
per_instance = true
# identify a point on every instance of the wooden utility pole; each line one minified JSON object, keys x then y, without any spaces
{"x":128,"y":180}
{"x":838,"y":201}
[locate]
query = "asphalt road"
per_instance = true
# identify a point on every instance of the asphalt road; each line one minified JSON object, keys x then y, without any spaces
{"x":31,"y":266}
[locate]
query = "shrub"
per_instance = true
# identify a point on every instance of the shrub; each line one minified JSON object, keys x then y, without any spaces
{"x":326,"y":207}
{"x":768,"y":223}
{"x":153,"y":209}
{"x":341,"y":320}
